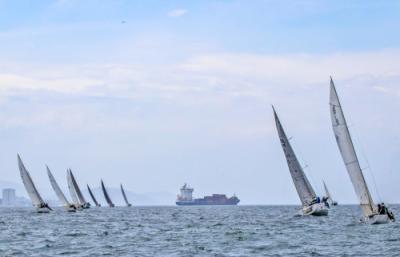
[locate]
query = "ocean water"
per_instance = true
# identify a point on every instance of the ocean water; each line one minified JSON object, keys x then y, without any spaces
{"x":194,"y":231}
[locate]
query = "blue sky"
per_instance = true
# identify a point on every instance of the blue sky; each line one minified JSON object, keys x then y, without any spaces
{"x":158,"y":93}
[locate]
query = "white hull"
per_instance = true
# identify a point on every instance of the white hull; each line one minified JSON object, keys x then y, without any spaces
{"x":377,"y":219}
{"x":42,"y":210}
{"x":70,"y":209}
{"x":318,"y":209}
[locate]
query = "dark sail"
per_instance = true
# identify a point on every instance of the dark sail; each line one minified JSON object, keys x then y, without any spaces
{"x":125,"y":198}
{"x":93,"y":198}
{"x":108,"y":199}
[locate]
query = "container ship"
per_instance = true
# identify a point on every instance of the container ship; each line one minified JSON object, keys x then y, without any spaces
{"x":185,"y":198}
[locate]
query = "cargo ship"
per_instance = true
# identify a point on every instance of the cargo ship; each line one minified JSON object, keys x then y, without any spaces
{"x":186,"y":198}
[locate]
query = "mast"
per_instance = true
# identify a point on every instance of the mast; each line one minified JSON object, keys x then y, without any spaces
{"x":57,"y":188}
{"x":93,"y":198}
{"x":36,"y":199}
{"x":303,"y":186}
{"x":347,"y":150}
{"x":125,"y":198}
{"x":108,"y":199}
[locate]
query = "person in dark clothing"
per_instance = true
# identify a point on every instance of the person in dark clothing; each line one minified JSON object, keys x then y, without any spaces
{"x":379,"y":209}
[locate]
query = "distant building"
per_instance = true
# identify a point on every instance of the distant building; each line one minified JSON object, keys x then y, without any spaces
{"x":9,"y":198}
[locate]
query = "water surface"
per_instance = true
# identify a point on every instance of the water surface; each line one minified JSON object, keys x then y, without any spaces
{"x":194,"y":231}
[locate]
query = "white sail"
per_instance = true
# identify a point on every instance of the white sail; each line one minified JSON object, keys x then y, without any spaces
{"x":36,"y":199}
{"x":327,"y":191}
{"x":303,"y":186}
{"x":57,"y":189}
{"x":348,"y":153}
{"x":71,"y":189}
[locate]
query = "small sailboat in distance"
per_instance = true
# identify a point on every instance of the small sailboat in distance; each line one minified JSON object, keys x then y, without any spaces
{"x":37,"y":201}
{"x":329,"y":196}
{"x":312,"y":204}
{"x":93,"y":198}
{"x":67,"y":205}
{"x":108,"y":199}
{"x":76,"y":192}
{"x":125,"y":198}
{"x":373,"y":214}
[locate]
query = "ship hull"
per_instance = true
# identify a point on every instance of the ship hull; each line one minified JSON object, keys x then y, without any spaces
{"x":190,"y":203}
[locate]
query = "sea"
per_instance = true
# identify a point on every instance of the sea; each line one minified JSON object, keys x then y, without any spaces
{"x":195,"y":231}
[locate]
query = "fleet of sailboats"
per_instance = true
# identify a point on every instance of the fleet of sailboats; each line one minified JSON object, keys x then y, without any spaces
{"x":311,"y":203}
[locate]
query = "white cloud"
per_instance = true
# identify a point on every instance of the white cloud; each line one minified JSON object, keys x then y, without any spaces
{"x":177,"y":13}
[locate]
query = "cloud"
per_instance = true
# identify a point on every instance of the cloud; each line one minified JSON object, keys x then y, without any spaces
{"x":177,"y":13}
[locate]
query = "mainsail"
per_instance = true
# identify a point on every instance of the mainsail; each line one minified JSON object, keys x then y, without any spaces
{"x":57,"y":189}
{"x":348,"y":153}
{"x":124,"y":195}
{"x":71,"y":188}
{"x":108,"y":199}
{"x":327,"y":192}
{"x":303,"y":186}
{"x":76,"y":188}
{"x":37,"y":200}
{"x":92,"y":195}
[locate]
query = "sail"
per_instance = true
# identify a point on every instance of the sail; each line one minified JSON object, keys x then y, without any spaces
{"x":108,"y":199}
{"x":29,"y":186}
{"x":71,"y":188}
{"x":92,"y":195}
{"x":76,"y":188}
{"x":327,"y":191}
{"x":303,"y":186}
{"x":348,"y":153}
{"x":124,"y":195}
{"x":57,"y":189}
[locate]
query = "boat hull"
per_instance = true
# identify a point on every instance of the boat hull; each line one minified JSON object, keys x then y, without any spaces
{"x":318,"y":209}
{"x":42,"y":210}
{"x":190,"y":203}
{"x":377,"y":219}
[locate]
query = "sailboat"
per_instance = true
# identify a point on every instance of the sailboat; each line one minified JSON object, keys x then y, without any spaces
{"x":75,"y":191}
{"x":125,"y":198}
{"x":37,"y":200}
{"x":93,"y":198}
{"x":329,"y":196}
{"x":370,"y":211}
{"x":108,"y":199}
{"x":309,"y":200}
{"x":67,"y":205}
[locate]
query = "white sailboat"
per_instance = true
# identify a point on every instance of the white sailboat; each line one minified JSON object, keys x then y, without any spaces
{"x":309,"y":200}
{"x":67,"y":205}
{"x":371,"y":212}
{"x":75,"y":191}
{"x":37,"y":201}
{"x":329,"y":196}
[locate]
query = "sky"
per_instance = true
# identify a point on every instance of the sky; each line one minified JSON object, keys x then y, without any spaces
{"x":154,"y":94}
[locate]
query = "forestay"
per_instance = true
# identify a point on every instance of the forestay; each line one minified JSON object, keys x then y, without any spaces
{"x":348,"y":153}
{"x":303,"y":186}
